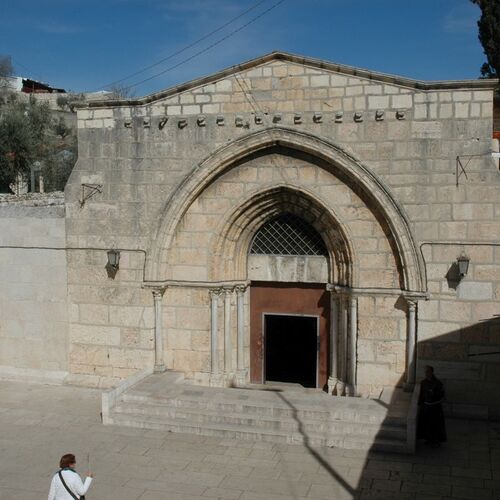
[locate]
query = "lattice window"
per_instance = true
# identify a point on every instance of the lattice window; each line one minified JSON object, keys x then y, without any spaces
{"x":288,"y":234}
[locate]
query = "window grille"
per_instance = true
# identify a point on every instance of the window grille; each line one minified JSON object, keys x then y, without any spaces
{"x":288,"y":234}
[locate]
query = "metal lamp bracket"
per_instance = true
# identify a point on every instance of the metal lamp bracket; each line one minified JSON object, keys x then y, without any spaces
{"x":461,"y":169}
{"x":89,"y":190}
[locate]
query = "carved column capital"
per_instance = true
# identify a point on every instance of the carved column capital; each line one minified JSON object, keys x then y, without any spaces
{"x":158,"y":293}
{"x":240,"y":289}
{"x":215,"y":292}
{"x":338,"y":289}
{"x":412,"y":303}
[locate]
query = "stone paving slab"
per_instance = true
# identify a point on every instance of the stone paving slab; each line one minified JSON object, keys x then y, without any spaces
{"x":39,"y":423}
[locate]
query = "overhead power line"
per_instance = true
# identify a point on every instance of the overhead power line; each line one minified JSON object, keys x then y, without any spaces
{"x":206,"y":49}
{"x":187,"y":47}
{"x":17,"y":63}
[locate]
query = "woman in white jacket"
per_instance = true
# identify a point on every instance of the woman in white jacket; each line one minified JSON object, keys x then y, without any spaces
{"x":74,"y":488}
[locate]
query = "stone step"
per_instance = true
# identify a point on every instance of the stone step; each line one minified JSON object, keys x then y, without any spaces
{"x":277,"y":409}
{"x":350,"y":441}
{"x":201,"y":417}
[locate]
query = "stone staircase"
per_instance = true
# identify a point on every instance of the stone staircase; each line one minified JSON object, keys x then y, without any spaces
{"x":280,"y":414}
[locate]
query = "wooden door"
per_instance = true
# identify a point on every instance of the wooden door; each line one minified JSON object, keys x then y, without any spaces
{"x":293,"y":299}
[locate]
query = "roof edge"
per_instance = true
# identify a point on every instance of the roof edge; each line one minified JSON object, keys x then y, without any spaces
{"x":479,"y":84}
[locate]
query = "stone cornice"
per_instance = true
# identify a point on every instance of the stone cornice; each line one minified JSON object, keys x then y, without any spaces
{"x":195,"y":284}
{"x":351,"y":291}
{"x":306,"y":61}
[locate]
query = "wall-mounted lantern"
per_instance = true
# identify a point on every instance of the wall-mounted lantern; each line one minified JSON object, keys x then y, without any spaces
{"x":463,"y":264}
{"x":114,"y":259}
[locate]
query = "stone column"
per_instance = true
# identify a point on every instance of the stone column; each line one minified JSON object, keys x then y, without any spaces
{"x":214,"y":337}
{"x":353,"y":343}
{"x":334,"y":344}
{"x":228,"y":341}
{"x":159,"y":358}
{"x":342,"y":372}
{"x":411,"y":344}
{"x":240,"y":332}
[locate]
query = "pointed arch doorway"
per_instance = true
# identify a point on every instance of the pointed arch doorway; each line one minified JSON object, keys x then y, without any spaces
{"x":289,"y":305}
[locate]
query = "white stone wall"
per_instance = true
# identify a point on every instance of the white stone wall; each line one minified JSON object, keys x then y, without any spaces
{"x":33,"y":298}
{"x":111,"y":320}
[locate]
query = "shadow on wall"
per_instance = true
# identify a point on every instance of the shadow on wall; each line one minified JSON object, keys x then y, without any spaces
{"x":467,"y":362}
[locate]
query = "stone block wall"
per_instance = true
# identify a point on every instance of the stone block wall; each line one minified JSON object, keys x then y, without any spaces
{"x":409,"y":137}
{"x":187,"y":320}
{"x":381,"y":342}
{"x":111,"y":320}
{"x":33,"y":298}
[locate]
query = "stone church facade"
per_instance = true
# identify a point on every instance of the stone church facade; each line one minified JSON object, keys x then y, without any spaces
{"x":288,"y":209}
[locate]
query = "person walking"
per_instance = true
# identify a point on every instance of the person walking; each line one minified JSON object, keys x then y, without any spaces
{"x":66,"y":483}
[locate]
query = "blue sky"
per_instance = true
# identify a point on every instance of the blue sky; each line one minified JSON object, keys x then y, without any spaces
{"x":83,"y":45}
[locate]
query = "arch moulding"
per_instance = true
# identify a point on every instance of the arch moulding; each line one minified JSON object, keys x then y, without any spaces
{"x":219,"y":161}
{"x":238,"y":229}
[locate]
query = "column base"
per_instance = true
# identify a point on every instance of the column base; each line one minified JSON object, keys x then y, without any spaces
{"x":216,"y":380}
{"x":241,"y":378}
{"x":332,"y":385}
{"x":229,"y":379}
{"x":351,"y":391}
{"x":159,"y":369}
{"x":341,"y":387}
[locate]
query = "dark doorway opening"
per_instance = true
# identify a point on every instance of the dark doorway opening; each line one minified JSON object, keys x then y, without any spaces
{"x":291,"y":349}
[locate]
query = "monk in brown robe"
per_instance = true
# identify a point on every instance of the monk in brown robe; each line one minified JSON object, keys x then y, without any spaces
{"x":431,"y":426}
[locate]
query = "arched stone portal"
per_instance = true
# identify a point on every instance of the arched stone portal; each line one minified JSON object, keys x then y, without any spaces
{"x":200,"y":256}
{"x":336,"y":160}
{"x":299,"y":292}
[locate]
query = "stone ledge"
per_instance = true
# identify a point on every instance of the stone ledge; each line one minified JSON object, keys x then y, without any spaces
{"x":33,"y":199}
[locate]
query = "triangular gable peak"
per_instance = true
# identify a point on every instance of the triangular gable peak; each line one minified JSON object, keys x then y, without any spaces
{"x":282,"y":66}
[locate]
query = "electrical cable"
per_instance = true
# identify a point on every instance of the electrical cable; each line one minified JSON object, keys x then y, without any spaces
{"x":206,"y":49}
{"x":153,"y":283}
{"x":17,"y":63}
{"x":187,"y":47}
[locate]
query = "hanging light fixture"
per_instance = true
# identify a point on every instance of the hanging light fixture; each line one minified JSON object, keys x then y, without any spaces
{"x":463,"y":264}
{"x":114,"y":259}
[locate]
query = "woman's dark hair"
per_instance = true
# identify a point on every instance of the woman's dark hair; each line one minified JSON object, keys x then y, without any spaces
{"x":67,"y":460}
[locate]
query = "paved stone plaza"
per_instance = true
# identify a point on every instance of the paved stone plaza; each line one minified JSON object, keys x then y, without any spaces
{"x":39,"y":423}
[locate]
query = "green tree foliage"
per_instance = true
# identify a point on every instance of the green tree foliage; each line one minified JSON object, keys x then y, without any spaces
{"x":68,"y":102}
{"x":6,"y":70}
{"x":489,"y":36}
{"x":29,"y":133}
{"x":57,"y":166}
